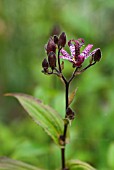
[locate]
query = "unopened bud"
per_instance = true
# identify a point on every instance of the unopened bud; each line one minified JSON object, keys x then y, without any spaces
{"x":55,"y":39}
{"x":62,"y":40}
{"x":61,"y":140}
{"x":45,"y":64}
{"x":97,"y":55}
{"x":69,"y":114}
{"x":52,"y":59}
{"x":51,"y":46}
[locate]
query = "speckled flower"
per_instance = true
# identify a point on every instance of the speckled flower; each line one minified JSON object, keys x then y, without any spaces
{"x":76,"y":57}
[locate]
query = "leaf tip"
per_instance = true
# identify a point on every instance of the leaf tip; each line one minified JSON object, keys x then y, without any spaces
{"x":8,"y":94}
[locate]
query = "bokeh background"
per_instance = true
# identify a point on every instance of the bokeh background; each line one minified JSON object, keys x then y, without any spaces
{"x":25,"y":26}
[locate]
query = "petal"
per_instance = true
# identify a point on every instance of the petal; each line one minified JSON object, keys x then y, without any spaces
{"x":85,"y":52}
{"x":69,"y":59}
{"x":72,"y":48}
{"x":80,"y":41}
{"x":77,"y":50}
{"x":65,"y":55}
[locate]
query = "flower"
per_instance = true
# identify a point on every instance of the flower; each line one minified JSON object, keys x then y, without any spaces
{"x":78,"y":58}
{"x":50,"y":46}
{"x":52,"y":59}
{"x":62,"y":40}
{"x":45,"y":64}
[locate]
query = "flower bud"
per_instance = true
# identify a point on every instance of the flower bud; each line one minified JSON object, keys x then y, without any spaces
{"x":61,"y":140}
{"x":55,"y":39}
{"x":52,"y":59}
{"x":97,"y":55}
{"x":45,"y":64}
{"x":62,"y":40}
{"x":51,"y":46}
{"x":69,"y":114}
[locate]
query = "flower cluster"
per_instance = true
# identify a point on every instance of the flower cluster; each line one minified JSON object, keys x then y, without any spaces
{"x":53,"y":43}
{"x":76,"y":56}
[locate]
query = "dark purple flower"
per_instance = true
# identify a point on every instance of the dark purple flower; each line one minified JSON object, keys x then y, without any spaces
{"x":76,"y":57}
{"x":62,"y":40}
{"x":52,"y":59}
{"x":96,"y":54}
{"x":55,"y":38}
{"x":70,"y":114}
{"x":45,"y":64}
{"x":50,"y":46}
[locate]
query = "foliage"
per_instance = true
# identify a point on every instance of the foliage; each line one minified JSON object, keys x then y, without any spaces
{"x":43,"y":115}
{"x":8,"y":164}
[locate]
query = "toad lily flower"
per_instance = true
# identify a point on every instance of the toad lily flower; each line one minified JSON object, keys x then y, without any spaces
{"x":78,"y":58}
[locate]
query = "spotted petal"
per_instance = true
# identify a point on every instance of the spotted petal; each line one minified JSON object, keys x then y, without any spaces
{"x":85,"y":52}
{"x":65,"y":55}
{"x":80,"y":41}
{"x":72,"y":48}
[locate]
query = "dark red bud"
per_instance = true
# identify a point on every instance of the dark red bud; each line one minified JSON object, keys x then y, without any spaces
{"x":55,"y":30}
{"x":55,"y":39}
{"x":61,"y":140}
{"x":70,"y":114}
{"x":51,"y":46}
{"x":62,"y":40}
{"x":45,"y":64}
{"x":97,"y":55}
{"x":52,"y":59}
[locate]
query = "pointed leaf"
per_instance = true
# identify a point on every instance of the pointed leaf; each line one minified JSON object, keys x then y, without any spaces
{"x":10,"y":164}
{"x":62,"y":65}
{"x":75,"y":164}
{"x":43,"y":115}
{"x":71,"y":97}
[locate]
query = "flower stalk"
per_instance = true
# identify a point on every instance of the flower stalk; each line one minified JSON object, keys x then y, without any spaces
{"x":54,"y":66}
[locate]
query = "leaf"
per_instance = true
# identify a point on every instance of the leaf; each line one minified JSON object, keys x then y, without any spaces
{"x":62,"y":65}
{"x":71,"y":97}
{"x":75,"y":164}
{"x":43,"y":115}
{"x":10,"y":164}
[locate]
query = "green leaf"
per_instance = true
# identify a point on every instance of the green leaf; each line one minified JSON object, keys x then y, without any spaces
{"x":71,"y":97}
{"x":10,"y":164}
{"x":77,"y":164}
{"x":43,"y":115}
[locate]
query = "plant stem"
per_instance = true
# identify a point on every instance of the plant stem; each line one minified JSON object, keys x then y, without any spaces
{"x":73,"y":75}
{"x":88,"y":66}
{"x":66,"y":95}
{"x":65,"y":127}
{"x":63,"y":158}
{"x":59,"y":65}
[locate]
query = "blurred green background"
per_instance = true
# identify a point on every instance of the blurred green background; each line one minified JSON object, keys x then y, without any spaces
{"x":25,"y":26}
